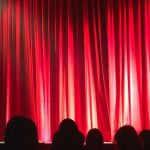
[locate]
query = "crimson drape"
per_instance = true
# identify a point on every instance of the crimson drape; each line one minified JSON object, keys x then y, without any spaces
{"x":88,"y":60}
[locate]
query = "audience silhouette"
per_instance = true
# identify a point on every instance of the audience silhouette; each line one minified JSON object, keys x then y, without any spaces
{"x":21,"y":134}
{"x":126,"y":138}
{"x":94,"y":140}
{"x":145,"y":137}
{"x":68,"y":137}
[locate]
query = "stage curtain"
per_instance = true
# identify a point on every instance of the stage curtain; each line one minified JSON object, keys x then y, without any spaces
{"x":88,"y":60}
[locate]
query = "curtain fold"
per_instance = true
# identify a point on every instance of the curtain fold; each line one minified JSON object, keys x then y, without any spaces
{"x":88,"y":60}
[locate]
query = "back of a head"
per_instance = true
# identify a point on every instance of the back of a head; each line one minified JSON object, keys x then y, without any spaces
{"x":145,"y":137}
{"x":68,"y":126}
{"x":21,"y":133}
{"x":94,"y":140}
{"x":126,"y":138}
{"x":68,"y":136}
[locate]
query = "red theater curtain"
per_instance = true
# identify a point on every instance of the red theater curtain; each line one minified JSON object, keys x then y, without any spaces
{"x":88,"y":60}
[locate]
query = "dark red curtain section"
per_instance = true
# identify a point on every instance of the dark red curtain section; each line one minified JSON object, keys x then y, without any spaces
{"x":88,"y":60}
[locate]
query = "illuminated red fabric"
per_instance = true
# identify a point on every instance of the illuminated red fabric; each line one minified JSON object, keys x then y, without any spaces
{"x":88,"y":60}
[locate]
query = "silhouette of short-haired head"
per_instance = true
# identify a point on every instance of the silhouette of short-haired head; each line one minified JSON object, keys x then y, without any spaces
{"x":68,"y":125}
{"x":145,"y":137}
{"x":126,"y":138}
{"x":94,"y":140}
{"x":21,"y":133}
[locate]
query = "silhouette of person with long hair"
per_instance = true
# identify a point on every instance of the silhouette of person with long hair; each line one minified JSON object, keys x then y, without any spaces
{"x":126,"y":138}
{"x":67,"y":137}
{"x":21,"y":134}
{"x":94,"y":140}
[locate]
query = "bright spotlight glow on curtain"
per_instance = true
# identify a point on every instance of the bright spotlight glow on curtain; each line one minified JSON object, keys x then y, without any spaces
{"x":88,"y":60}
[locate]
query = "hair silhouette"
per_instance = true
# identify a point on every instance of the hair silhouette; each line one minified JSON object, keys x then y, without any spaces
{"x":145,"y":137}
{"x":68,"y":126}
{"x":68,"y":137}
{"x":126,"y":138}
{"x":21,"y":133}
{"x":94,"y":140}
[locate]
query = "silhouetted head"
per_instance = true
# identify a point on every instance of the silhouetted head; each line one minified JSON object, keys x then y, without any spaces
{"x":21,"y":133}
{"x":145,"y":137}
{"x":126,"y":138}
{"x":94,"y":140}
{"x":68,"y":125}
{"x":67,"y":137}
